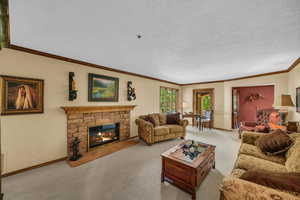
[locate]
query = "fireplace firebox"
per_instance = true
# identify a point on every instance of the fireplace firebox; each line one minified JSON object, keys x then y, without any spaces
{"x":103,"y":134}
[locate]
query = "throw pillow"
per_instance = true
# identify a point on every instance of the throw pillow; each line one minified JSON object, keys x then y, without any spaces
{"x":274,"y":143}
{"x":173,"y":118}
{"x":162,"y":119}
{"x":145,"y":117}
{"x":279,"y":181}
{"x":154,"y":119}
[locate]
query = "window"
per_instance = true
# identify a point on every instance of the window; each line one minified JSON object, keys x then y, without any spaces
{"x":168,"y":99}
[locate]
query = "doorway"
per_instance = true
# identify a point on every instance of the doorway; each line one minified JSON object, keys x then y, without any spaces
{"x":246,"y":101}
{"x":203,"y":100}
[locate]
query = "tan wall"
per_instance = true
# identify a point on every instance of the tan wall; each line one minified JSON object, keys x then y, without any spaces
{"x":293,"y":83}
{"x":29,"y":140}
{"x":223,"y":95}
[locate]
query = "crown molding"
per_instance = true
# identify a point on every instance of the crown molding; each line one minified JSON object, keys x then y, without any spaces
{"x":239,"y":78}
{"x":293,"y":65}
{"x":83,"y":63}
{"x":87,"y":64}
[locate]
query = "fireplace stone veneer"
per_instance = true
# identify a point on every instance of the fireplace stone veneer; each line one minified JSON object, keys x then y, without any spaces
{"x":80,"y":119}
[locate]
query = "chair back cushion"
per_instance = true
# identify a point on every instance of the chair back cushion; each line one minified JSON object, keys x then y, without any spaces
{"x":208,"y":114}
{"x":262,"y":116}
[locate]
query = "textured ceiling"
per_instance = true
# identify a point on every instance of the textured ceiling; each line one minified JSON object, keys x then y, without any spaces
{"x":182,"y":41}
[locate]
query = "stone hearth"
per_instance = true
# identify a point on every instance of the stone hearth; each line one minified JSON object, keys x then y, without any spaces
{"x":80,"y":118}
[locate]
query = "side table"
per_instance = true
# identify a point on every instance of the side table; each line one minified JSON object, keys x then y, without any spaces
{"x":293,"y":126}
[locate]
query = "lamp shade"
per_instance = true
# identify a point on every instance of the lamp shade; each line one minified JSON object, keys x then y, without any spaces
{"x":286,"y":100}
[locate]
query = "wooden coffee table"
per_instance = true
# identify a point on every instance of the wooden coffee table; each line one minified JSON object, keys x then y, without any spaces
{"x":187,"y":175}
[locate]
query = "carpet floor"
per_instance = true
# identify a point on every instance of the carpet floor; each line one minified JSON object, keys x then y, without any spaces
{"x":130,"y":174}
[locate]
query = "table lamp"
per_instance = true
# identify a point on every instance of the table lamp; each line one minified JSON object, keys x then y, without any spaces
{"x":286,"y":101}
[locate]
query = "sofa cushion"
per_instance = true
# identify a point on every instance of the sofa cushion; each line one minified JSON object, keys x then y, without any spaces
{"x":279,"y":181}
{"x":173,"y":118}
{"x":274,"y":143}
{"x":295,"y":136}
{"x":248,"y":162}
{"x":251,"y":137}
{"x":174,"y":128}
{"x":293,"y":157}
{"x":154,"y":119}
{"x":162,"y":119}
{"x":252,"y":150}
{"x":161,"y":130}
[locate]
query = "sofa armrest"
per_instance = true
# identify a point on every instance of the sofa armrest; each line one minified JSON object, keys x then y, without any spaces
{"x":141,"y":122}
{"x":250,"y":137}
{"x":248,"y":123}
{"x":145,"y":130}
{"x":147,"y":126}
{"x":237,"y":189}
{"x":184,"y":122}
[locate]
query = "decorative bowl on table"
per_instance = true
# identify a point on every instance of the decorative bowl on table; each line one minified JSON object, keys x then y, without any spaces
{"x":192,"y":149}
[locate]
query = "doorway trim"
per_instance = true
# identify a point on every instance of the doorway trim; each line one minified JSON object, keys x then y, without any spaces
{"x":212,"y":93}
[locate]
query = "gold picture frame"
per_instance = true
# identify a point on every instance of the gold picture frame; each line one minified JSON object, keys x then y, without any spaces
{"x":21,"y":95}
{"x":103,"y":88}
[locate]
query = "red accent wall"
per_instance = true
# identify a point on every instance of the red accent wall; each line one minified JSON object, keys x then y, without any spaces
{"x":248,"y":109}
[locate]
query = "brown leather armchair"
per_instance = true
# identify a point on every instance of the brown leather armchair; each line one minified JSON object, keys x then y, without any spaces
{"x":262,"y":118}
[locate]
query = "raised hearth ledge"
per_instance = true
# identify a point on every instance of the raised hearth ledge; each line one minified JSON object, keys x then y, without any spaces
{"x":94,"y":109}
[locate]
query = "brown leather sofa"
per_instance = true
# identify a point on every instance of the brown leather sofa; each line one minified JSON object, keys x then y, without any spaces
{"x":250,"y":157}
{"x":151,"y":134}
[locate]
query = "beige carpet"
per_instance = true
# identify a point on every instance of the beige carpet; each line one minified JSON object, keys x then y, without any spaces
{"x":130,"y":174}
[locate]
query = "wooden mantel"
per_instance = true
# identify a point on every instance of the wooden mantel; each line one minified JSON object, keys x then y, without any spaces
{"x":93,"y":109}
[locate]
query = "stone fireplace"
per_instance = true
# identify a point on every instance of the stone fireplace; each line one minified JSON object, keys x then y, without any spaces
{"x":97,"y":125}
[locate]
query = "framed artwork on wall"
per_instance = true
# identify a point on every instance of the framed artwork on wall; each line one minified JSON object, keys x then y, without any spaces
{"x":103,"y":88}
{"x":21,"y":95}
{"x":298,"y":99}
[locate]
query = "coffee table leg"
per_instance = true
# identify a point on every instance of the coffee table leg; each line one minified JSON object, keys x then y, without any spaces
{"x":214,"y":166}
{"x":162,"y":171}
{"x":162,"y":177}
{"x":194,"y":195}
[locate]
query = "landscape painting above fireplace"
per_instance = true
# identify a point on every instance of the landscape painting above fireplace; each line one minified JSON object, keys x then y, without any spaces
{"x":103,"y":88}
